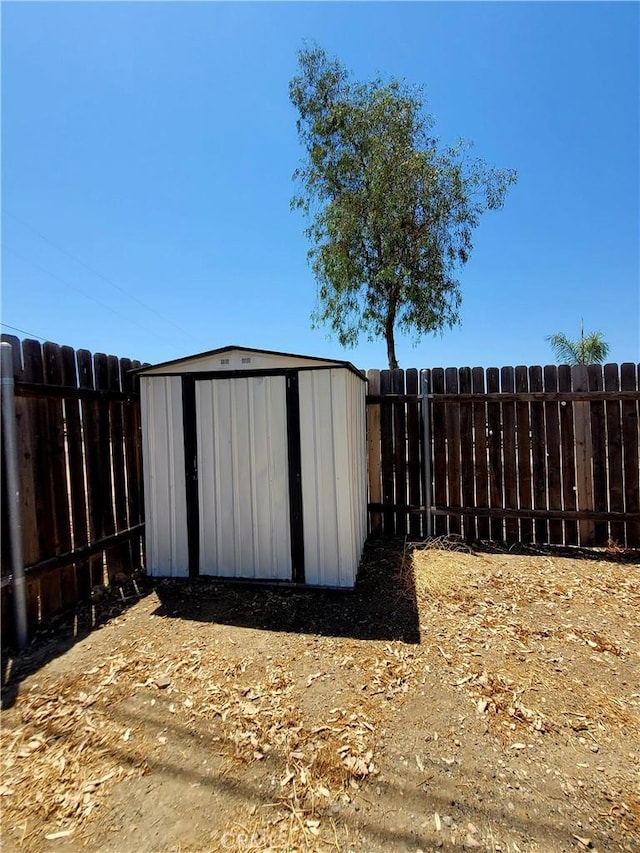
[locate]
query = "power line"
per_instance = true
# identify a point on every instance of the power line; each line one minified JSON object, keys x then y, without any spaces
{"x":98,"y":274}
{"x":24,"y":332}
{"x":81,"y":291}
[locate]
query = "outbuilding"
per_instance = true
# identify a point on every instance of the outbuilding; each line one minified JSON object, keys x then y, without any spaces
{"x":254,"y":467}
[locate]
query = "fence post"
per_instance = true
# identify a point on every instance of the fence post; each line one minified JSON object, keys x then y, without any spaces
{"x":426,"y":450}
{"x":9,"y":444}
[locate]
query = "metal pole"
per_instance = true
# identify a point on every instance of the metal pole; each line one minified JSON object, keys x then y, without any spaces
{"x":426,"y":449}
{"x":10,"y":460}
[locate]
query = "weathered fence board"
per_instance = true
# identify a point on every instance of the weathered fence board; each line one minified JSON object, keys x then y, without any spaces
{"x":524,"y":453}
{"x":494,"y":441}
{"x":80,"y":469}
{"x":507,"y":384}
{"x":414,"y":455}
{"x":439,"y":435}
{"x":629,"y":381}
{"x":615,"y":483}
{"x":400,"y":451}
{"x":567,"y":439}
{"x":546,"y":455}
{"x":480,"y":452}
{"x":466,"y":454}
{"x":538,"y":455}
{"x":552,"y":438}
{"x":387,"y":455}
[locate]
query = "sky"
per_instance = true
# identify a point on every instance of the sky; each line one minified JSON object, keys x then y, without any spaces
{"x":148,"y":152}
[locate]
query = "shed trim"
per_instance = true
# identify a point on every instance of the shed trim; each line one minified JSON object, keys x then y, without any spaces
{"x":190,"y":433}
{"x":295,"y":478}
{"x":267,"y":371}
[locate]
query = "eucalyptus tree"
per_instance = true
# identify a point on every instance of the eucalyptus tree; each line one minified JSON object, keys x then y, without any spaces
{"x":390,"y":211}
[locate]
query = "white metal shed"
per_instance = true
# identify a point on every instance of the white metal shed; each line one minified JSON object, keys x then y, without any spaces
{"x":255,"y":467}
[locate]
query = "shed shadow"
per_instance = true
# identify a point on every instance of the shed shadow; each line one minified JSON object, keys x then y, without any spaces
{"x":382,"y":606}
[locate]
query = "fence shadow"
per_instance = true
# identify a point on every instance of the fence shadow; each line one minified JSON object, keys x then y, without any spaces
{"x":382,"y":606}
{"x":63,"y":631}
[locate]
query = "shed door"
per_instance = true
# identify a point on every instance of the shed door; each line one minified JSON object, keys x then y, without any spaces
{"x":243,"y":477}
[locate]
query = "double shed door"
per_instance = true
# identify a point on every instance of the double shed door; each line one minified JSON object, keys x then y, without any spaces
{"x":243,"y":477}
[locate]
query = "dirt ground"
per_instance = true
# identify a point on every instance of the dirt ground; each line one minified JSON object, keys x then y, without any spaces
{"x":458,"y":699}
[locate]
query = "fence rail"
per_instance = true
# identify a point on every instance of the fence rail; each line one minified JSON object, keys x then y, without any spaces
{"x":531,"y":454}
{"x":80,"y":473}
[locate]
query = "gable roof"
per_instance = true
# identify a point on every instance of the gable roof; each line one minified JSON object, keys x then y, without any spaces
{"x":308,"y":361}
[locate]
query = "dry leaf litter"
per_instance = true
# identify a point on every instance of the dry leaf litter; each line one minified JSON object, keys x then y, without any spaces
{"x":540,"y":651}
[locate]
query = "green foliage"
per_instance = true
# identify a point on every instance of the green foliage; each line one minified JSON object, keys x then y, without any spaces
{"x":587,"y":349}
{"x":390,"y":213}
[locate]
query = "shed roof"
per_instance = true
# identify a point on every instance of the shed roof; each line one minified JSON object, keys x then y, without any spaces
{"x":211,"y":361}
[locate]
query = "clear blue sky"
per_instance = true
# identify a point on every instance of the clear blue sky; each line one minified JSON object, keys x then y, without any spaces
{"x":148,"y":148}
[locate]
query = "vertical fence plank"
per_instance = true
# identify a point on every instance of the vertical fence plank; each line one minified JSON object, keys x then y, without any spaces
{"x":524,"y":453}
{"x":481,"y":468}
{"x":629,"y":382}
{"x":75,"y":454}
{"x":598,"y":453}
{"x":27,"y":411}
{"x":61,"y":585}
{"x":135,"y":488}
{"x":439,"y":450}
{"x":131,"y":430}
{"x":494,"y":424}
{"x":374,"y":453}
{"x":45,"y":598}
{"x":538,"y":456}
{"x":121,"y":553}
{"x":108,"y":525}
{"x":52,"y":362}
{"x":466,"y":452}
{"x":584,"y":479}
{"x":614,"y":446}
{"x":426,"y":451}
{"x":507,"y":384}
{"x":117,"y":446}
{"x":92,"y":462}
{"x":39,"y":424}
{"x":567,"y":454}
{"x":25,"y":452}
{"x":7,"y":625}
{"x":452,"y":420}
{"x":414,"y":455}
{"x":554,"y":470}
{"x":386,"y":426}
{"x":399,"y":451}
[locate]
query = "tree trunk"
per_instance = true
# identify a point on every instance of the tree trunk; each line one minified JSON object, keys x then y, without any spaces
{"x":391,"y":344}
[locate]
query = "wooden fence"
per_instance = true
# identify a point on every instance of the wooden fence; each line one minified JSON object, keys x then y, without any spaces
{"x":527,"y":454}
{"x":80,"y":473}
{"x":546,"y":455}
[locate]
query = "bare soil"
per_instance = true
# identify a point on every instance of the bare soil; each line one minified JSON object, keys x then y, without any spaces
{"x":459,"y":698}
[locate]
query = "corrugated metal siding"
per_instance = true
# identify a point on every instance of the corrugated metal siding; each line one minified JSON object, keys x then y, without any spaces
{"x":243,"y":485}
{"x":333,"y":477}
{"x":356,"y":431}
{"x":164,"y":476}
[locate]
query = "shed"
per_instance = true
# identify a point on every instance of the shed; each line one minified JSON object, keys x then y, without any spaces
{"x":254,"y":467}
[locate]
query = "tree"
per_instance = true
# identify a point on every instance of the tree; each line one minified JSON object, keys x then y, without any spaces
{"x":391,"y":213}
{"x":587,"y":349}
